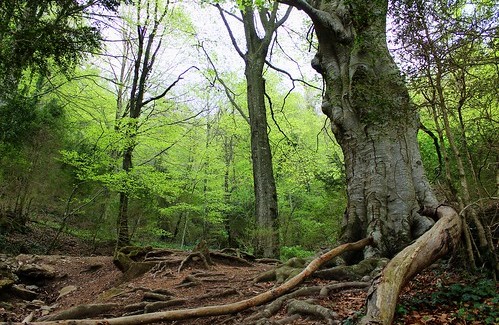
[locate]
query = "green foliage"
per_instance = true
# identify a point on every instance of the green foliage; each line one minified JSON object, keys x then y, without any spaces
{"x":460,"y":293}
{"x":191,"y":176}
{"x":454,"y":82}
{"x":35,"y":34}
{"x":288,"y":252}
{"x":475,"y":302}
{"x":23,"y":118}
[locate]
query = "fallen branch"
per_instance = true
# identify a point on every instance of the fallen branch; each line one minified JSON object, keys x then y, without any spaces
{"x":435,"y":243}
{"x":219,"y":309}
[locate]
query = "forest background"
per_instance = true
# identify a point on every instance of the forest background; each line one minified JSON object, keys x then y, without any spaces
{"x":65,"y":125}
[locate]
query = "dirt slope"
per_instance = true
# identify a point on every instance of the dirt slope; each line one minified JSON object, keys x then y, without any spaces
{"x":96,"y":280}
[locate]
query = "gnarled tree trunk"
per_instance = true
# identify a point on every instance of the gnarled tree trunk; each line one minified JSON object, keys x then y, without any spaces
{"x":374,"y":122}
{"x":376,"y":126}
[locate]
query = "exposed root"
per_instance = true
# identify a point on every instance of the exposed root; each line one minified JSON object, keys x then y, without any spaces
{"x":273,"y":308}
{"x":156,"y":296}
{"x":200,"y":253}
{"x":307,"y":307}
{"x":80,"y":312}
{"x":224,"y":258}
{"x":236,"y":252}
{"x":218,"y":310}
{"x":160,"y":253}
{"x":283,"y":272}
{"x":189,"y":281}
{"x":194,"y":256}
{"x":163,"y":267}
{"x":367,"y":267}
{"x":195,"y":278}
{"x":440,"y":239}
{"x":271,"y":261}
{"x":218,"y":294}
{"x":158,"y":305}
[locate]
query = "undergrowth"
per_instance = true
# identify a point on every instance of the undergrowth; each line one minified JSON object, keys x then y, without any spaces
{"x":288,"y":252}
{"x":477,"y":301}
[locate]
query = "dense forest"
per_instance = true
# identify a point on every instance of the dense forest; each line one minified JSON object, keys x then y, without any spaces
{"x":69,"y":120}
{"x":167,"y":123}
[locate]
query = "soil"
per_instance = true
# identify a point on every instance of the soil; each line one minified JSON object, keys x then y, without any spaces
{"x":95,"y":279}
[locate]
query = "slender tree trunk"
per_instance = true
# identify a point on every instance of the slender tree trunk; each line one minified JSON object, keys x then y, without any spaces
{"x":497,"y":175}
{"x":258,"y":39}
{"x":463,"y":196}
{"x":122,"y":221}
{"x":229,"y":162}
{"x":267,"y":237}
{"x":266,"y":213}
{"x":452,"y":197}
{"x":148,"y":43}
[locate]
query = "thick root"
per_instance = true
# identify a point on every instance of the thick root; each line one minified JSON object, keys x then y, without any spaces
{"x":307,"y":307}
{"x":438,"y":241}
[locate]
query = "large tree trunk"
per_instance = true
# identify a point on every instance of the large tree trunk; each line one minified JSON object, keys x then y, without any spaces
{"x":373,"y":121}
{"x":376,"y":126}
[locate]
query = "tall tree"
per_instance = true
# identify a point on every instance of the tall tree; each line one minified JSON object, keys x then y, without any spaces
{"x":145,"y":45}
{"x":376,"y":126}
{"x":255,"y":55}
{"x":374,"y":122}
{"x":36,"y":39}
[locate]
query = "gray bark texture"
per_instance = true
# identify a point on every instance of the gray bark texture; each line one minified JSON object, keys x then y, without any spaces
{"x":389,"y":197}
{"x":263,"y":176}
{"x":266,"y":213}
{"x":375,"y":124}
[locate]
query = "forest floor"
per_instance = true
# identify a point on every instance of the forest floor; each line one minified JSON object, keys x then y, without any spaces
{"x":84,"y":279}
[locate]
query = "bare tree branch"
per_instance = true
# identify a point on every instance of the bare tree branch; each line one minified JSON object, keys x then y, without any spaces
{"x":229,"y":30}
{"x":163,"y":94}
{"x":227,"y":90}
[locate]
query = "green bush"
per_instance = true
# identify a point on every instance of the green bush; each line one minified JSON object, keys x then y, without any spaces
{"x":288,"y":252}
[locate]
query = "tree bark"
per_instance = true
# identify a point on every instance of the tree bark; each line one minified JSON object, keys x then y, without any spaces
{"x":266,"y":213}
{"x":148,"y":43}
{"x":122,"y":221}
{"x":375,"y":124}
